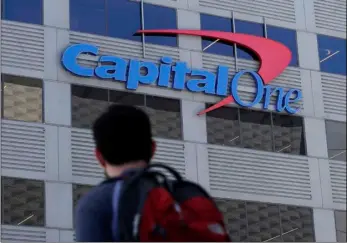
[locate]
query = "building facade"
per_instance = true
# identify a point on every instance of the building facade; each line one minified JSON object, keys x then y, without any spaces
{"x":276,"y":177}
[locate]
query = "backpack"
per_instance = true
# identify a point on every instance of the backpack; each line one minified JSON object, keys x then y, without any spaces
{"x":152,"y":207}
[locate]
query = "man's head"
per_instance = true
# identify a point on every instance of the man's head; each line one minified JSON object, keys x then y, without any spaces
{"x":123,"y":136}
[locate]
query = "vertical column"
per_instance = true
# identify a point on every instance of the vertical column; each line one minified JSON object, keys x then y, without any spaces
{"x":324,"y":222}
{"x":1,"y":117}
{"x":56,"y":13}
{"x":316,"y":141}
{"x":58,"y":205}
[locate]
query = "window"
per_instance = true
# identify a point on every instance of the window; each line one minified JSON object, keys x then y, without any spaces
{"x":332,"y":54}
{"x":211,"y":22}
{"x":157,"y":17}
{"x":22,"y":202}
{"x":30,"y":12}
{"x":88,"y":103}
{"x":88,"y":16}
{"x":265,"y":222}
{"x":21,"y":98}
{"x":259,"y":130}
{"x":109,"y":18}
{"x":336,"y":140}
{"x":340,"y":221}
{"x":246,"y":27}
{"x":286,"y":37}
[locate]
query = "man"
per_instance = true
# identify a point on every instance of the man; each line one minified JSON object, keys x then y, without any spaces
{"x":124,"y":142}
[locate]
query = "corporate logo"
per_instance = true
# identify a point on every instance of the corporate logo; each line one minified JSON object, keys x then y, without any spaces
{"x":274,"y":57}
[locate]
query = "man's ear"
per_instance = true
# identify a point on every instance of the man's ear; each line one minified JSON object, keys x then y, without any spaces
{"x":154,"y":147}
{"x":100,"y":158}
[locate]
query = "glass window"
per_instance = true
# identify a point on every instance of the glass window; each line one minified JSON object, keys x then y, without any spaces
{"x":286,"y":37}
{"x":223,"y":126}
{"x":336,"y":140}
{"x":23,"y":11}
{"x":22,"y":202}
{"x":88,"y":16}
{"x":288,"y":133}
{"x":165,"y":115}
{"x":264,"y":222}
{"x":157,"y":17}
{"x":340,"y":221}
{"x":256,"y":130}
{"x":246,"y":27}
{"x":21,"y":98}
{"x":87,"y":104}
{"x":211,"y":22}
{"x":120,"y":12}
{"x":127,"y":98}
{"x":332,"y":54}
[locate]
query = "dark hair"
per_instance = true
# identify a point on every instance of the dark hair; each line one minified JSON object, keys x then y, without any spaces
{"x":123,"y":134}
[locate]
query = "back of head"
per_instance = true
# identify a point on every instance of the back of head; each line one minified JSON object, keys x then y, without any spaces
{"x":123,"y":134}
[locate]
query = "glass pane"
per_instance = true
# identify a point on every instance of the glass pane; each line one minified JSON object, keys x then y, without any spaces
{"x":235,"y":218}
{"x":165,"y":115}
{"x":256,"y":130}
{"x":127,"y":98}
{"x":23,"y":11}
{"x":263,"y":222}
{"x":157,"y":17}
{"x":87,"y":104}
{"x":22,"y":98}
{"x":22,"y":202}
{"x":223,"y":126}
{"x":286,"y":37}
{"x":297,"y":224}
{"x":336,"y":140}
{"x":288,"y":132}
{"x":332,"y":54}
{"x":80,"y":16}
{"x":340,"y":221}
{"x":120,"y":12}
{"x":251,"y":28}
{"x":211,"y":22}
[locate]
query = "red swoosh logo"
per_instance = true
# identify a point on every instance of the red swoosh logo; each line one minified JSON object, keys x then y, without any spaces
{"x":274,"y":57}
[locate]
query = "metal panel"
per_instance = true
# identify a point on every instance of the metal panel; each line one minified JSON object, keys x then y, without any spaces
{"x":334,"y":93}
{"x":338,"y":181}
{"x":23,"y":146}
{"x":250,"y":171}
{"x":276,"y":9}
{"x":330,"y":14}
{"x":11,"y":233}
{"x":124,"y":48}
{"x":22,"y":45}
{"x":84,"y":163}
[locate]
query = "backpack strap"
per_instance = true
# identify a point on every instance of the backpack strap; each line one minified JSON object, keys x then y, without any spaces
{"x":115,"y":203}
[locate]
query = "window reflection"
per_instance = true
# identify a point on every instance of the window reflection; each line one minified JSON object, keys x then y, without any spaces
{"x":211,"y":22}
{"x":223,"y":126}
{"x":88,"y":103}
{"x":336,"y":140}
{"x":22,"y":202}
{"x":340,"y":221}
{"x":332,"y":54}
{"x":30,"y":12}
{"x":256,"y":130}
{"x":22,"y":98}
{"x":247,"y":27}
{"x":252,"y":129}
{"x":265,"y":222}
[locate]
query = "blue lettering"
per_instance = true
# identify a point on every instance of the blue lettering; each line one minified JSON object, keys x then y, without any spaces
{"x":287,"y":100}
{"x":69,"y":59}
{"x":207,"y":84}
{"x":259,"y":88}
{"x":222,"y":83}
{"x":180,"y":70}
{"x":116,"y":71}
{"x":165,"y":72}
{"x":269,"y":93}
{"x":135,"y":76}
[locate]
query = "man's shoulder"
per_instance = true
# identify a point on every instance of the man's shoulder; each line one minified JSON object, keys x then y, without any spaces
{"x":98,"y":198}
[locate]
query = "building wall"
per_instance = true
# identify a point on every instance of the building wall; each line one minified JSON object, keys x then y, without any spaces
{"x":61,"y":155}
